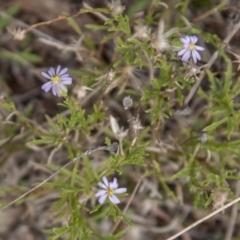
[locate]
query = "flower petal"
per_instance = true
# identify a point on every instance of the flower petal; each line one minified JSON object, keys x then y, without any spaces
{"x":198,"y":55}
{"x":194,"y":39}
{"x":186,"y":46}
{"x":185,"y":40}
{"x":111,"y":185}
{"x":100,"y":184}
{"x":114,"y":199}
{"x":199,"y":48}
{"x":100,"y":193}
{"x":51,"y":71}
{"x":46,"y":86}
{"x":120,"y":190}
{"x":58,"y":69}
{"x":66,"y":81}
{"x":195,"y":56}
{"x":56,"y":90}
{"x":182,"y":52}
{"x":63,"y":87}
{"x":63,"y":71}
{"x":102,"y":199}
{"x":188,"y":39}
{"x":65,"y":75}
{"x":45,"y":75}
{"x":115,"y":183}
{"x":105,"y":181}
{"x":186,"y":56}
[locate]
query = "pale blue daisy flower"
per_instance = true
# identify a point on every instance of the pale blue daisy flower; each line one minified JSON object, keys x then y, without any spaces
{"x":190,"y":49}
{"x":109,"y":190}
{"x":59,"y":78}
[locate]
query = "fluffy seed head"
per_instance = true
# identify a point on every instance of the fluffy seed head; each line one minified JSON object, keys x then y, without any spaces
{"x":219,"y":198}
{"x":127,"y":102}
{"x":18,"y":33}
{"x":116,"y":7}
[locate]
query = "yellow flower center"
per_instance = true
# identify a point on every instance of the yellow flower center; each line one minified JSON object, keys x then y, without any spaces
{"x":191,"y":46}
{"x":55,"y":79}
{"x":109,"y":192}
